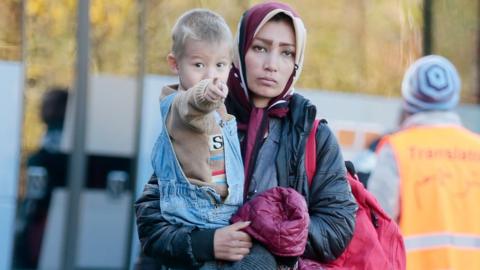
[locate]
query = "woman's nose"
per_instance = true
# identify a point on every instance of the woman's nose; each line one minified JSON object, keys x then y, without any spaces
{"x":271,"y":62}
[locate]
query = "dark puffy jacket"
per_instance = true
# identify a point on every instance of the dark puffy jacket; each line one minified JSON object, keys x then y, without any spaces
{"x":331,"y":204}
{"x":279,"y":220}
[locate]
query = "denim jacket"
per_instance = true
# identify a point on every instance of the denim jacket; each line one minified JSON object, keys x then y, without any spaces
{"x":184,"y":203}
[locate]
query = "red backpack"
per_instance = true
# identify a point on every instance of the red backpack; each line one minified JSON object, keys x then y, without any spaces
{"x":376,"y":243}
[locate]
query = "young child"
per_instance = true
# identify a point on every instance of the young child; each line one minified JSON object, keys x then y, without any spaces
{"x":197,"y":157}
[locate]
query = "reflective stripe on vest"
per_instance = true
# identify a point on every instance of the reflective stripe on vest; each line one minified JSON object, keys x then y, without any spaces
{"x":431,"y":241}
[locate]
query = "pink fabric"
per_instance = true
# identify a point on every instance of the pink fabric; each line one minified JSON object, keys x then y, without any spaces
{"x":279,"y":219}
{"x":256,"y":116}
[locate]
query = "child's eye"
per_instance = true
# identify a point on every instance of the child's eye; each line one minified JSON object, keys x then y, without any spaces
{"x":258,"y":48}
{"x":199,"y":65}
{"x":221,"y":65}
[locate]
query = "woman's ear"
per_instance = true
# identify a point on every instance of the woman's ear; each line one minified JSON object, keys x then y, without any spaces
{"x":172,"y":63}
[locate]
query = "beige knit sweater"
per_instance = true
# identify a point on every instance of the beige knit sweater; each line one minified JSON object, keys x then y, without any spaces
{"x":191,"y":125}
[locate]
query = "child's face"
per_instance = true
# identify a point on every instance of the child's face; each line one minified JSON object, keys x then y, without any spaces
{"x":203,"y":60}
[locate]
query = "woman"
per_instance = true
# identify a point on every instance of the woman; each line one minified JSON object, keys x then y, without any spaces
{"x":273,"y":126}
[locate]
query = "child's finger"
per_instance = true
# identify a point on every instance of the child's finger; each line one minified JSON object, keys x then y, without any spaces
{"x":225,"y":89}
{"x":221,"y":90}
{"x":215,"y":81}
{"x":210,"y":96}
{"x":217,"y":92}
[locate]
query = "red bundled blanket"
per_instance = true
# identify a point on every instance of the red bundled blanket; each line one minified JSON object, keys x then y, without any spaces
{"x":279,"y":220}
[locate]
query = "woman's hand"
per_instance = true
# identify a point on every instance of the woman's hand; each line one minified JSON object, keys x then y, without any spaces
{"x":230,"y":243}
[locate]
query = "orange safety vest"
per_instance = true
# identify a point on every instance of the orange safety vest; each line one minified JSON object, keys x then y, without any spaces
{"x":439,"y":169}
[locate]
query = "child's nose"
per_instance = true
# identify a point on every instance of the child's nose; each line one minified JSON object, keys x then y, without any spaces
{"x":211,"y":73}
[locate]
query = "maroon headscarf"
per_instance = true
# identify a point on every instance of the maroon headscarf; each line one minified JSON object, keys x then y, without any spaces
{"x":254,"y":121}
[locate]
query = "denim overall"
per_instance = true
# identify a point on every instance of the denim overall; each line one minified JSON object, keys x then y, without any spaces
{"x":184,"y":203}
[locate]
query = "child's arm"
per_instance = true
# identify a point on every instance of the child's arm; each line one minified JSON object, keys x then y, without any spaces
{"x":194,"y":105}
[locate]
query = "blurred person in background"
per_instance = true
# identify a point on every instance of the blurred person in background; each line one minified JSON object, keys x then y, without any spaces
{"x":46,"y":169}
{"x":366,"y":159}
{"x":427,"y":176}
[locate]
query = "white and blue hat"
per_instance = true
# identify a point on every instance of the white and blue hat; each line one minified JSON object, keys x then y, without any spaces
{"x":430,"y":84}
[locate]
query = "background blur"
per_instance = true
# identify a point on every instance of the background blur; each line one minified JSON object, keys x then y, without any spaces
{"x":356,"y":54}
{"x":360,"y":46}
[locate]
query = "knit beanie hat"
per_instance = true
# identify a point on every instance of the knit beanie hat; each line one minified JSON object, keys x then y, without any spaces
{"x":431,"y":83}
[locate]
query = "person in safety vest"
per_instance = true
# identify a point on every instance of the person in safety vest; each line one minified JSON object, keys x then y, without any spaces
{"x":428,"y":173}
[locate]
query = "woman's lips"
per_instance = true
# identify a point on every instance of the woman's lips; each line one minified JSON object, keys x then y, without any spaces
{"x":267,"y":81}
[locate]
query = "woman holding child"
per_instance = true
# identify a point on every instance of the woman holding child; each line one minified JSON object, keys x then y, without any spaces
{"x":273,"y":124}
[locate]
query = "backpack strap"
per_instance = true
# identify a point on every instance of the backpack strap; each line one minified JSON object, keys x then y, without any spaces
{"x":311,"y":152}
{"x":311,"y":155}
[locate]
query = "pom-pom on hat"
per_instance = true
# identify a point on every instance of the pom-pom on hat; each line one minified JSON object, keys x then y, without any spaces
{"x":430,"y":84}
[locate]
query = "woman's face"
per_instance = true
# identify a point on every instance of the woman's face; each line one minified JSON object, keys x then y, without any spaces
{"x":270,"y":61}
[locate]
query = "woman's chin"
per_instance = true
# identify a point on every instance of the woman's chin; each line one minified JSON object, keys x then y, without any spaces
{"x":261,"y":100}
{"x":266,"y":91}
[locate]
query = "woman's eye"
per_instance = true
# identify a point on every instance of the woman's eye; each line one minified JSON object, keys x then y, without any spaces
{"x":199,"y":65}
{"x":288,"y":53}
{"x":259,"y":48}
{"x":221,"y":65}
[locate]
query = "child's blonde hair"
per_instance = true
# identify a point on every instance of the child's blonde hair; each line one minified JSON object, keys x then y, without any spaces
{"x":201,"y":25}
